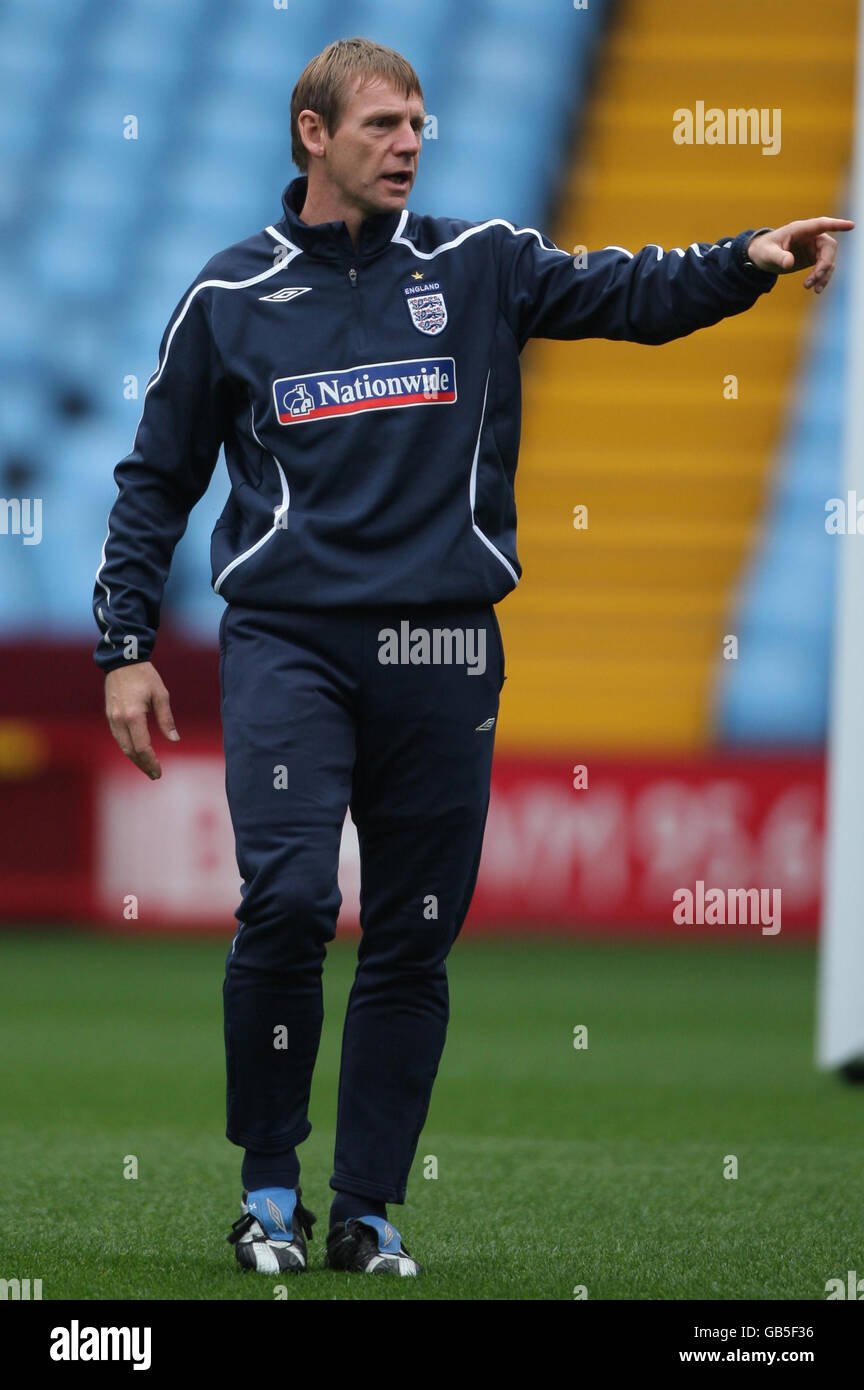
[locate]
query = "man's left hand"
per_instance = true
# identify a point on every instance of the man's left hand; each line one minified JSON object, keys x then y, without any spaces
{"x":799,"y":245}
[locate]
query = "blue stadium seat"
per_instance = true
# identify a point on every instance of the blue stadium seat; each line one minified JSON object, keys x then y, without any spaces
{"x":125,"y":225}
{"x":776,"y":692}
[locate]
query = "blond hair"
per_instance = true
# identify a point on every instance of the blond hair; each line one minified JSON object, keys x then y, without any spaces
{"x":325,"y":82}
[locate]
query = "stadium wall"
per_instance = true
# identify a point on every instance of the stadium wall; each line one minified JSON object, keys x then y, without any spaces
{"x":574,"y":843}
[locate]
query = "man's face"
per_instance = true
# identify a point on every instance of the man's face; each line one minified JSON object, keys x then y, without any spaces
{"x":371,"y":159}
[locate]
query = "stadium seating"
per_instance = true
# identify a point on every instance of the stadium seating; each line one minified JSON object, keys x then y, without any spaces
{"x":103,"y":233}
{"x":617,"y":630}
{"x":778,"y":692}
{"x":617,"y":635}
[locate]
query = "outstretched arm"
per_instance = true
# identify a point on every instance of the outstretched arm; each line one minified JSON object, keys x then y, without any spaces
{"x":651,"y":295}
{"x":799,"y":245}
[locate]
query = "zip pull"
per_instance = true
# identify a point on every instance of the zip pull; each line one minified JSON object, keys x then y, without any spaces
{"x":352,"y":276}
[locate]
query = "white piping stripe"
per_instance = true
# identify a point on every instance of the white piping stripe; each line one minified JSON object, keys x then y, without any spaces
{"x":100,"y":615}
{"x":472,"y":231}
{"x":285,"y":242}
{"x":694,"y":246}
{"x":220,"y":285}
{"x":277,"y":516}
{"x":526,"y":231}
{"x":472,"y":493}
{"x":205,"y":284}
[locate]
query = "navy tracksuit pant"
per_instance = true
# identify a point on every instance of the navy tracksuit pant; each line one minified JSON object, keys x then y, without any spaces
{"x":320,"y":712}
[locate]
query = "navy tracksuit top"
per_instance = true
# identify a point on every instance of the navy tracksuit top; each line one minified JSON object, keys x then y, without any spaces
{"x":369,"y":406}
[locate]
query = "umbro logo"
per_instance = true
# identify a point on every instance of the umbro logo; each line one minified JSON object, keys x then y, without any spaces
{"x":282,"y":296}
{"x":485,"y":726}
{"x":276,"y":1216}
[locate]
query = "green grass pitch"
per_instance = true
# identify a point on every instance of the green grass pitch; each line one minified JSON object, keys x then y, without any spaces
{"x":557,"y":1167}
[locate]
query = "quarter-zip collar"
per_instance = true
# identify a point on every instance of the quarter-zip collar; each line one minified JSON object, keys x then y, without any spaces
{"x":330,"y":241}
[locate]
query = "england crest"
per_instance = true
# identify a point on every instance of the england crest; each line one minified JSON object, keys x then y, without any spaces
{"x":427,"y":307}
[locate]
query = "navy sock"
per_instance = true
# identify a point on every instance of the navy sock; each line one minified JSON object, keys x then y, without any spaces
{"x":270,"y":1170}
{"x":346,"y":1205}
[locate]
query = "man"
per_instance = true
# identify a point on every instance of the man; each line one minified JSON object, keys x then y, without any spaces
{"x":360,"y":364}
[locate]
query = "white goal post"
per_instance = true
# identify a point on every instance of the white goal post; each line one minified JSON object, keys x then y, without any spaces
{"x":841,"y":957}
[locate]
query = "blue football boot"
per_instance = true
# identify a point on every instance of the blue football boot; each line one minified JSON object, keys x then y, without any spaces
{"x":269,"y":1236}
{"x":368,"y":1245}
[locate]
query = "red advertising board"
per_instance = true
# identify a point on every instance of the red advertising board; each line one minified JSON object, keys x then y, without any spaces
{"x":85,"y":837}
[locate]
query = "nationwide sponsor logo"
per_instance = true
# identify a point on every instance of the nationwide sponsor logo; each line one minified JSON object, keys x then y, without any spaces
{"x":427,"y":307}
{"x":369,"y":386}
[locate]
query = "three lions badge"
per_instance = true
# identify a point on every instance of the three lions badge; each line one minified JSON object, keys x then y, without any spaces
{"x":427,"y":307}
